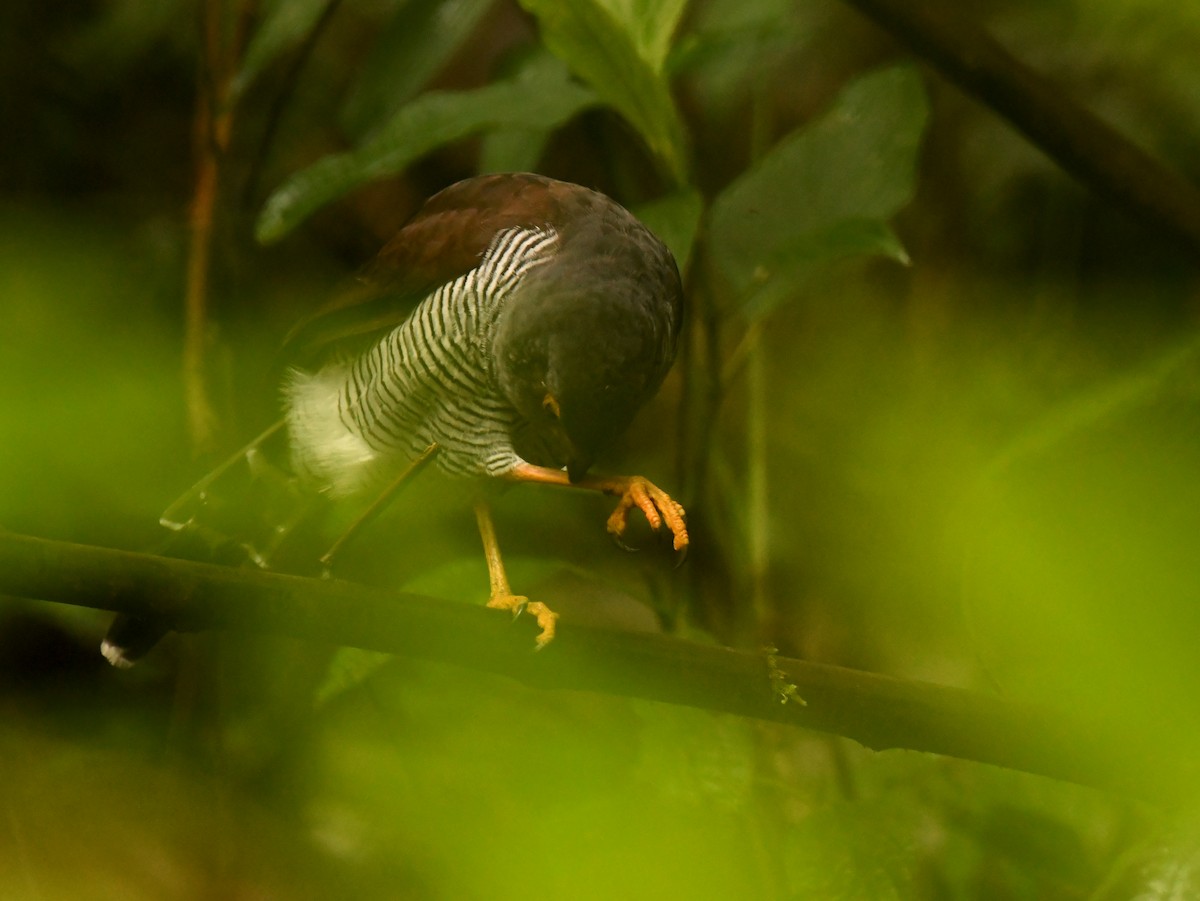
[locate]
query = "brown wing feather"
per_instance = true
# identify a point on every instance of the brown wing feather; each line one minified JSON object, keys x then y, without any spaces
{"x":444,"y":240}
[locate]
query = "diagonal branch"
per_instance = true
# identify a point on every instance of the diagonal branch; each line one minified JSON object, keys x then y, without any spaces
{"x":878,"y":711}
{"x":1092,"y":151}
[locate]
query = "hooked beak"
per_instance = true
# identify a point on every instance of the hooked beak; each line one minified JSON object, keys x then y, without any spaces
{"x":578,"y":464}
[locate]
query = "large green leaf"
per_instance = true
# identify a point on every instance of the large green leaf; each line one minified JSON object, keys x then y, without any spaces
{"x":284,"y":25}
{"x":415,"y":44}
{"x":783,"y":272}
{"x":619,"y":47}
{"x":649,"y":23}
{"x":428,"y":122}
{"x":827,"y":189}
{"x":675,"y":219}
{"x":853,"y":851}
{"x":516,"y":148}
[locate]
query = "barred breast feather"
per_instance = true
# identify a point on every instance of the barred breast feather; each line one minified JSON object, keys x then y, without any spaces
{"x":354,"y":419}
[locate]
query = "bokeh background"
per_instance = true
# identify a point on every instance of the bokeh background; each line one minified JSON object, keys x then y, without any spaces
{"x":937,"y":416}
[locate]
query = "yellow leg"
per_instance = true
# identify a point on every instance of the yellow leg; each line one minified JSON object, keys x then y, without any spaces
{"x":378,"y":505}
{"x":659,"y":508}
{"x":502,"y":597}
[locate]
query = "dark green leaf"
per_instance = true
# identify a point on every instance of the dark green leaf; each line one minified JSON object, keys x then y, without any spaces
{"x":428,"y":122}
{"x":415,"y":44}
{"x":814,"y":192}
{"x":283,"y":27}
{"x":513,"y":149}
{"x":119,"y":34}
{"x":675,"y":219}
{"x":782,"y":275}
{"x":619,"y":48}
{"x":518,"y":149}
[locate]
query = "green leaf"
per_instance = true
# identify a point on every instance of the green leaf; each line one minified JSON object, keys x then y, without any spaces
{"x":814,"y":195}
{"x":619,"y":47}
{"x":518,"y":149}
{"x":284,"y":26}
{"x":675,"y":219}
{"x":729,"y":41}
{"x":853,"y":851}
{"x":428,"y":122}
{"x":118,"y":35}
{"x":348,"y":669}
{"x":513,"y":149}
{"x":415,"y":44}
{"x":650,"y":24}
{"x":783,"y":272}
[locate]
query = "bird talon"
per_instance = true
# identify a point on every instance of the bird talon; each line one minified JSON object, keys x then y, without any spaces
{"x":545,"y":617}
{"x":656,"y":505}
{"x":619,"y":541}
{"x":680,"y":556}
{"x":514,"y":602}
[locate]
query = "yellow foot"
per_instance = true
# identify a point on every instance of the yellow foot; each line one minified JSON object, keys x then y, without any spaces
{"x":657,"y":506}
{"x":546,"y":618}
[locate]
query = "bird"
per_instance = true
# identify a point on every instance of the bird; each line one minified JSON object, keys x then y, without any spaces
{"x":507,"y":333}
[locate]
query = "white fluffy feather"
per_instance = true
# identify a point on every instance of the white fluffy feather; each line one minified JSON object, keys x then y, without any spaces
{"x":323,"y":447}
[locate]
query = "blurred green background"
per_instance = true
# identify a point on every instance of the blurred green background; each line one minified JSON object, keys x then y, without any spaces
{"x":937,"y":417}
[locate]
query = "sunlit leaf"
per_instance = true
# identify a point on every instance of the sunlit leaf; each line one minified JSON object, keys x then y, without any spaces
{"x":650,"y":24}
{"x":284,"y":25}
{"x":812,"y":194}
{"x":428,"y":122}
{"x":697,"y":756}
{"x":853,"y":851}
{"x":675,"y":219}
{"x":619,"y":48}
{"x":1079,"y":552}
{"x":349,"y":668}
{"x":416,"y":43}
{"x":1167,"y":868}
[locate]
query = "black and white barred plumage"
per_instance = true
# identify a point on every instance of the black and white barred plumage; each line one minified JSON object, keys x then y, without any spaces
{"x":517,"y":323}
{"x":429,"y":380}
{"x":551,"y":315}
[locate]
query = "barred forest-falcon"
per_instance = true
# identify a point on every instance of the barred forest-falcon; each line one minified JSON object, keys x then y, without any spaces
{"x":510,"y":330}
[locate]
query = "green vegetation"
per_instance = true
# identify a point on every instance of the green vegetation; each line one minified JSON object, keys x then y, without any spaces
{"x":937,"y":417}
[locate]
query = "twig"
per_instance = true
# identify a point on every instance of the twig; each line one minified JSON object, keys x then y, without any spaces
{"x":213,"y":128}
{"x":1089,"y":149}
{"x":878,"y":711}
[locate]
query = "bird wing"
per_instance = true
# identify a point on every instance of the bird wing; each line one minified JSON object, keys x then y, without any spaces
{"x":444,"y":240}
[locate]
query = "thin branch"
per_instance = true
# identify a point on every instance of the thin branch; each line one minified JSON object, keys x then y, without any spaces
{"x":1092,"y":151}
{"x":880,"y":712}
{"x":213,"y":130}
{"x":202,"y":416}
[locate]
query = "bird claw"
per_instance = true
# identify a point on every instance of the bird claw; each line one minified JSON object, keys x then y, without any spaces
{"x":514,"y":602}
{"x":620,"y":542}
{"x":546,"y":618}
{"x":656,"y":505}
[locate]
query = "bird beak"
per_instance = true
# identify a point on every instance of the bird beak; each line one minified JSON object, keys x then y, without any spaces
{"x":578,"y":465}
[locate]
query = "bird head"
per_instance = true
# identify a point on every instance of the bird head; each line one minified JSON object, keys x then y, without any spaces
{"x":578,"y":358}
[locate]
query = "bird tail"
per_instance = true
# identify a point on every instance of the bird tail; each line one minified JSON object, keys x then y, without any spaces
{"x":241,"y":513}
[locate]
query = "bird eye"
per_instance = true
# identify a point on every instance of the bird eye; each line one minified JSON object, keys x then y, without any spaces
{"x":550,"y":405}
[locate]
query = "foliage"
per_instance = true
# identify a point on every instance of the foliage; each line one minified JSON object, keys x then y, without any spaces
{"x":936,"y":416}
